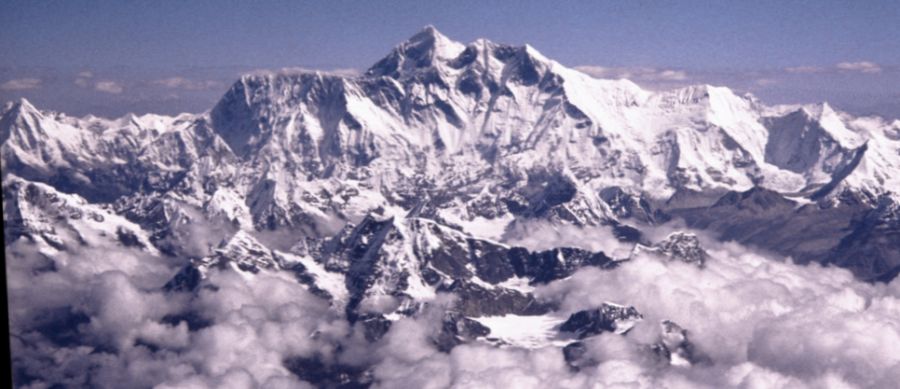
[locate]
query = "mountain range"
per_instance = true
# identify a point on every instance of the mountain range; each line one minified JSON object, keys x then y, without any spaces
{"x":439,"y":170}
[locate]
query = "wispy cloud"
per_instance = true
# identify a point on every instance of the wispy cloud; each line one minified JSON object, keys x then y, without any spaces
{"x":187,"y":84}
{"x":21,"y":84}
{"x":84,"y":79}
{"x":803,"y":69}
{"x":109,"y":87}
{"x":636,"y":73}
{"x":861,"y":66}
{"x":343,"y":72}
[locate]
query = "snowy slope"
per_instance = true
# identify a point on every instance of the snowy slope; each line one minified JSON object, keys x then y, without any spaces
{"x":481,"y":136}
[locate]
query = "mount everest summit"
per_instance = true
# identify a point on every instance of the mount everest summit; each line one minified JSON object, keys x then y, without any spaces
{"x":481,"y":171}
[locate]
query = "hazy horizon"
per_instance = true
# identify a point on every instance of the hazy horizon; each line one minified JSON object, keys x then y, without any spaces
{"x":111,"y":58}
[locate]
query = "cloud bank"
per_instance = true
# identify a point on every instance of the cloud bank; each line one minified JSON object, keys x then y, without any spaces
{"x":761,"y":321}
{"x":99,"y":318}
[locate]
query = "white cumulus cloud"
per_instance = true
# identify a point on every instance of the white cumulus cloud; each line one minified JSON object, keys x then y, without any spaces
{"x":634,"y":74}
{"x":862,"y":67}
{"x":109,"y":87}
{"x":83,"y":79}
{"x":21,"y":84}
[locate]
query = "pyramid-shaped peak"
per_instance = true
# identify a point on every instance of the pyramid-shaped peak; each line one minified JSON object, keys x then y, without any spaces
{"x":22,"y":105}
{"x":20,"y":108}
{"x":818,"y":111}
{"x":534,"y":53}
{"x":424,"y":49}
{"x":18,"y":114}
{"x":24,"y":102}
{"x":831,"y":122}
{"x":429,"y":41}
{"x":428,"y":32}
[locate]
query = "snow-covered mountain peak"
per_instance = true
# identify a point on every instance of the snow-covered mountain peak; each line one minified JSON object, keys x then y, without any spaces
{"x":696,"y":93}
{"x":531,"y":51}
{"x":18,"y":114}
{"x":433,"y":40}
{"x":426,"y":48}
{"x":823,"y":118}
{"x":719,"y":103}
{"x":22,"y":108}
{"x":22,"y":104}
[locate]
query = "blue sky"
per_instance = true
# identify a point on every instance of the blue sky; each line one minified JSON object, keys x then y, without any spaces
{"x":111,"y":57}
